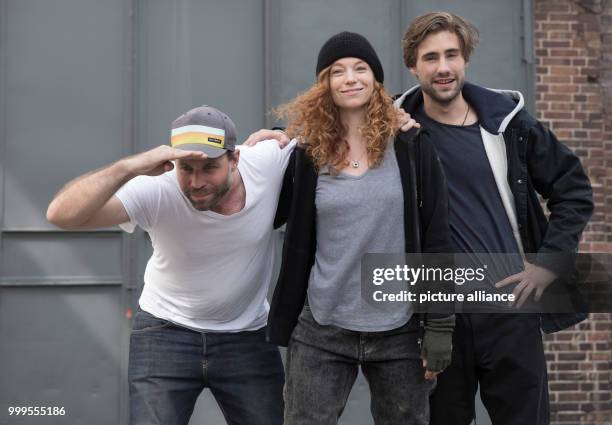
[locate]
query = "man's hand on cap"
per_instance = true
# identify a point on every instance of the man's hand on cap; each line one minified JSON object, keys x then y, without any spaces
{"x":265,"y":134}
{"x":157,"y":161}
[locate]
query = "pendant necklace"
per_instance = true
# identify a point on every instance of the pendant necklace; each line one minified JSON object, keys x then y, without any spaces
{"x":355,"y":163}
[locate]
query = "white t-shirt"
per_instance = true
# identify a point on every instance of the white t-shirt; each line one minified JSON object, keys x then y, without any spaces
{"x":209,"y":271}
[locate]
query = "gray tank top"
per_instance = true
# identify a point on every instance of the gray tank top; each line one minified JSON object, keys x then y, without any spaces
{"x":356,"y":215}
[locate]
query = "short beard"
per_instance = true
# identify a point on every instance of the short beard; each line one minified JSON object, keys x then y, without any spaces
{"x":442,"y":101}
{"x":219,"y":194}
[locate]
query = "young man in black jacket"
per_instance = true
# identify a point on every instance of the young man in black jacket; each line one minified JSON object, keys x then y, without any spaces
{"x":496,"y":158}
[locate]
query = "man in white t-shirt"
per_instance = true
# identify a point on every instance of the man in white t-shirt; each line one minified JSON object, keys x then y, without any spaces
{"x":209,"y":209}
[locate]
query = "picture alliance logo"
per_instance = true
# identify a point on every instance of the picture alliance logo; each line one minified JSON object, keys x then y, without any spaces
{"x":413,"y":275}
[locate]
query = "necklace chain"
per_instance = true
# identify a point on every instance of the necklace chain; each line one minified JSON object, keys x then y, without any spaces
{"x":466,"y":115}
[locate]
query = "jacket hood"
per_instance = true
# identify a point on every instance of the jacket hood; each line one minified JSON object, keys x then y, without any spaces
{"x":495,"y":108}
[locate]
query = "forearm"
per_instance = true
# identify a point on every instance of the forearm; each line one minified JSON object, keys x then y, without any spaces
{"x":82,"y":197}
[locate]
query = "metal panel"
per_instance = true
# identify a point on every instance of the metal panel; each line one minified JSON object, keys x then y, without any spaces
{"x":63,"y":101}
{"x":56,"y":258}
{"x":64,"y":75}
{"x":60,"y":348}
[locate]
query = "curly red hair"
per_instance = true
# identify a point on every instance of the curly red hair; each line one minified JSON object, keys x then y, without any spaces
{"x":314,"y":119}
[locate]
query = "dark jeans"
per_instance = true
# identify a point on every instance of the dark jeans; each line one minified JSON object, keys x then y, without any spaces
{"x":322,"y":365}
{"x":503,"y":353}
{"x":170,"y":365}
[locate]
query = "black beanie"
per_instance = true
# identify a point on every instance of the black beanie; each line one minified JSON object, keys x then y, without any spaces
{"x":349,"y":45}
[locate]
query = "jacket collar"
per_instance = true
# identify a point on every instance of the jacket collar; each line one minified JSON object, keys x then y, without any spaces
{"x":495,"y":108}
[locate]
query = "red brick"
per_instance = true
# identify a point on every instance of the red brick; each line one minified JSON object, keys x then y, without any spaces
{"x":563,"y":70}
{"x":556,"y":79}
{"x":556,"y":43}
{"x":549,"y":6}
{"x":546,"y":61}
{"x":561,"y":17}
{"x":567,"y":124}
{"x":558,"y":97}
{"x":572,"y":356}
{"x":567,"y":53}
{"x":558,"y":115}
{"x":573,"y":397}
{"x":561,"y":35}
{"x":564,"y":386}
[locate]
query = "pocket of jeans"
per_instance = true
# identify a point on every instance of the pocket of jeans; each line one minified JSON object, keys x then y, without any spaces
{"x":306,"y":314}
{"x":146,"y":322}
{"x":305,"y":320}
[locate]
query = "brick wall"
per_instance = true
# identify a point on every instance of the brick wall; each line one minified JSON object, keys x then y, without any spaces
{"x":573,"y":42}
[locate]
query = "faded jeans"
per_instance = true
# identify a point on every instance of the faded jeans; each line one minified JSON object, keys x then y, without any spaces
{"x":322,"y":365}
{"x":171,"y":365}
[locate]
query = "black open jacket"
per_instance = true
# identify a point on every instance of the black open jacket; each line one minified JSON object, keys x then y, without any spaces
{"x":425,"y":210}
{"x":537,"y":164}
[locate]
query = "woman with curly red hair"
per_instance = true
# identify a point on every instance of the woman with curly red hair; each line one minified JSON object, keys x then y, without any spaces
{"x":345,"y":121}
{"x":352,"y":189}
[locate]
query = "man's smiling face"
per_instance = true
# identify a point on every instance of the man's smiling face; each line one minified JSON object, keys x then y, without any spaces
{"x":206,"y":182}
{"x":440,"y":66}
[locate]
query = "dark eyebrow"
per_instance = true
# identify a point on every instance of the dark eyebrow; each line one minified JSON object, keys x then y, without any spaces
{"x":429,"y":54}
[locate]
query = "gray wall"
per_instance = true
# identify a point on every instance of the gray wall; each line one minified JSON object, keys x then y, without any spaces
{"x":84,"y":82}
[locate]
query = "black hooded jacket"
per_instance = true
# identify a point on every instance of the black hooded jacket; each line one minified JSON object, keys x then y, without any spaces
{"x":537,"y":163}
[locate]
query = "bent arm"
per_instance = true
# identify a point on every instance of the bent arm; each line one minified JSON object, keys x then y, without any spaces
{"x":88,"y":202}
{"x":558,"y":175}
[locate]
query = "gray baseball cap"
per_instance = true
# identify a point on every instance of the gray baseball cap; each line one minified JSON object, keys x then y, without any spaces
{"x":205,"y":129}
